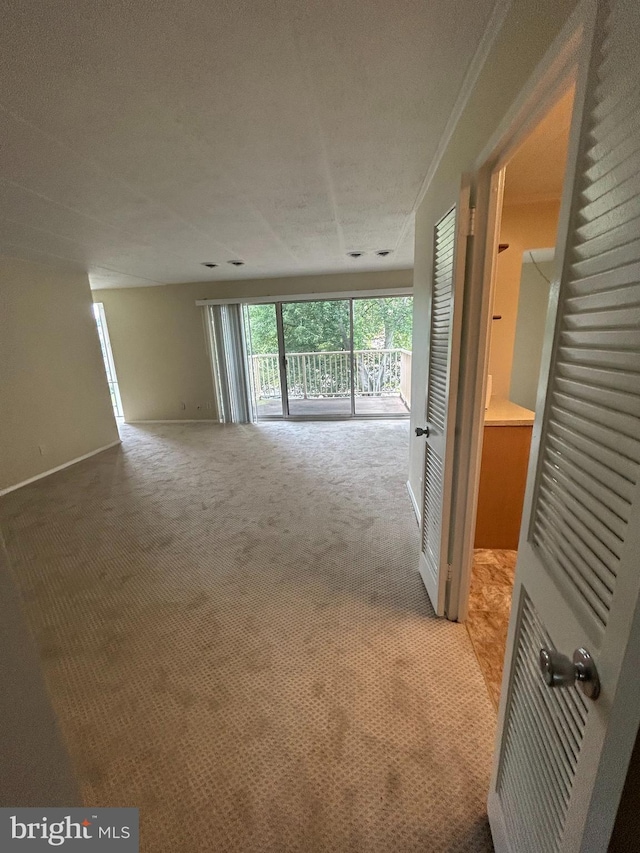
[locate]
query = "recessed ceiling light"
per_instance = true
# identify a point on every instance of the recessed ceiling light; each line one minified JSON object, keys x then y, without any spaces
{"x":236,"y":263}
{"x":384,"y":252}
{"x":209,"y":264}
{"x":355,"y":254}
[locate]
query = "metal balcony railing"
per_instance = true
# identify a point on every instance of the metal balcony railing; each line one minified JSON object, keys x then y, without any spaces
{"x":313,"y":375}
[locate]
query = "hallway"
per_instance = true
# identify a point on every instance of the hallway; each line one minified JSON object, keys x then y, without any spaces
{"x":236,"y":640}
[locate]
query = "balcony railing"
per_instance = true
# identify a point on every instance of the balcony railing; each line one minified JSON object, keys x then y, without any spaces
{"x":312,"y":375}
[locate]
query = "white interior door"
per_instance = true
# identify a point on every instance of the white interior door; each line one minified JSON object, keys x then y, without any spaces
{"x":449,"y":255}
{"x":561,"y":756}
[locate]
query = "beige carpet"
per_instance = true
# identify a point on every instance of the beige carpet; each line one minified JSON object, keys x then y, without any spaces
{"x":237,"y":641}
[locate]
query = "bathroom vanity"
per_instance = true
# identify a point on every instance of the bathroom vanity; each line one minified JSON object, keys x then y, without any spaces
{"x":503,"y":474}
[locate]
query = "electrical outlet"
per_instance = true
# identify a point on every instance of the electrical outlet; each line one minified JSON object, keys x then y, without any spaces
{"x":183,"y":406}
{"x":43,"y":449}
{"x":209,"y":405}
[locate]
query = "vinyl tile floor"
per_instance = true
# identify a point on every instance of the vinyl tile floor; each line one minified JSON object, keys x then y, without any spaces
{"x":489,"y":609}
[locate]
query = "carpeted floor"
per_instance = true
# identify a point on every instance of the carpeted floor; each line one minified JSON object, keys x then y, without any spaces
{"x":237,"y":641}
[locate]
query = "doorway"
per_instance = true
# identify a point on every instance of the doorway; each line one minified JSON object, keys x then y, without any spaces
{"x":524,"y":268}
{"x":317,"y":359}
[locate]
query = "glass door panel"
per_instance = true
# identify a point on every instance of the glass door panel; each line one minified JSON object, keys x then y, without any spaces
{"x":317,"y":345}
{"x":382,"y":330}
{"x":264,"y":360}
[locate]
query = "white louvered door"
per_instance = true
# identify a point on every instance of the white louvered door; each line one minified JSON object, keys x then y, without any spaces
{"x":561,"y":757}
{"x":449,"y":255}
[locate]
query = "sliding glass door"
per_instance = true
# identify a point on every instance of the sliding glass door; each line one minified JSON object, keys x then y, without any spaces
{"x":265,"y":359}
{"x":326,"y":358}
{"x":318,"y":356}
{"x":382,"y":331}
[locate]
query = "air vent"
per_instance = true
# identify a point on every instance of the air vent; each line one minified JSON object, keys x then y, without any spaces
{"x":209,"y":264}
{"x":355,"y":254}
{"x":236,"y":263}
{"x":384,"y":252}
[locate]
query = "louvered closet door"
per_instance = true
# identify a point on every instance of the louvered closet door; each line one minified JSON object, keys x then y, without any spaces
{"x":450,"y":247}
{"x":561,"y":757}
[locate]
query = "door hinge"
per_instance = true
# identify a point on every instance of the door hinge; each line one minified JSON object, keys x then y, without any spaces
{"x":449,"y":573}
{"x":472,"y":222}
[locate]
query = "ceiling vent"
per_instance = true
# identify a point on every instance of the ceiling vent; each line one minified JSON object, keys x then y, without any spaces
{"x":236,"y":263}
{"x":209,"y":264}
{"x":384,"y":252}
{"x":355,"y":254}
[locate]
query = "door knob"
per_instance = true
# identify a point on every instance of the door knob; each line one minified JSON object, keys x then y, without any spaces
{"x":422,"y":431}
{"x":560,"y":671}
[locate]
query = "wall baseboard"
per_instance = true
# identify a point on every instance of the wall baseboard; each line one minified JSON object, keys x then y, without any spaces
{"x":178,"y":421}
{"x":414,"y":504}
{"x":57,"y":468}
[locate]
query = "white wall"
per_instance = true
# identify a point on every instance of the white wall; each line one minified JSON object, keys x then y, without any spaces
{"x":158,"y":343}
{"x":533,"y":302}
{"x":54,"y":398}
{"x":523,"y":226}
{"x":527,"y":33}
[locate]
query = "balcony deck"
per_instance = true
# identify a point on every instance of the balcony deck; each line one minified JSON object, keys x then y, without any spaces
{"x":336,"y":406}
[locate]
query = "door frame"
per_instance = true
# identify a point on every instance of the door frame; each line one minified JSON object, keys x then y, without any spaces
{"x":553,"y":76}
{"x":282,"y":365}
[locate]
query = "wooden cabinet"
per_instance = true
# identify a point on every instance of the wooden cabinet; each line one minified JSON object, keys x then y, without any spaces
{"x":503,"y":475}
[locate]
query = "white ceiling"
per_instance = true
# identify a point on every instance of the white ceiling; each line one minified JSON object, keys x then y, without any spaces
{"x":143,"y":137}
{"x":536,"y":171}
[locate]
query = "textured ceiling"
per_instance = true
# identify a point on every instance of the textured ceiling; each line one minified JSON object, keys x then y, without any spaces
{"x":536,"y":171}
{"x":143,"y":137}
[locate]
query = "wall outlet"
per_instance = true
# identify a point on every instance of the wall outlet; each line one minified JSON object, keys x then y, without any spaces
{"x":42,"y":448}
{"x":183,"y":406}
{"x":209,"y":405}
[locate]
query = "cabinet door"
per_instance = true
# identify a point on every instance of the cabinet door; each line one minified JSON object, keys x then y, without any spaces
{"x":503,"y":476}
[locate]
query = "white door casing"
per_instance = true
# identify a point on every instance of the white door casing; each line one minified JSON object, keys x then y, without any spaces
{"x":450,"y":248}
{"x":561,"y":758}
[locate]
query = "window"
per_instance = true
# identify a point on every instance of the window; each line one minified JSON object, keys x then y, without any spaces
{"x":107,"y":355}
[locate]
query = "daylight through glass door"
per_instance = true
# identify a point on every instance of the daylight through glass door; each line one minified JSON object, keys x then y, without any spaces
{"x":317,"y":349}
{"x":331,"y":358}
{"x":382,"y":331}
